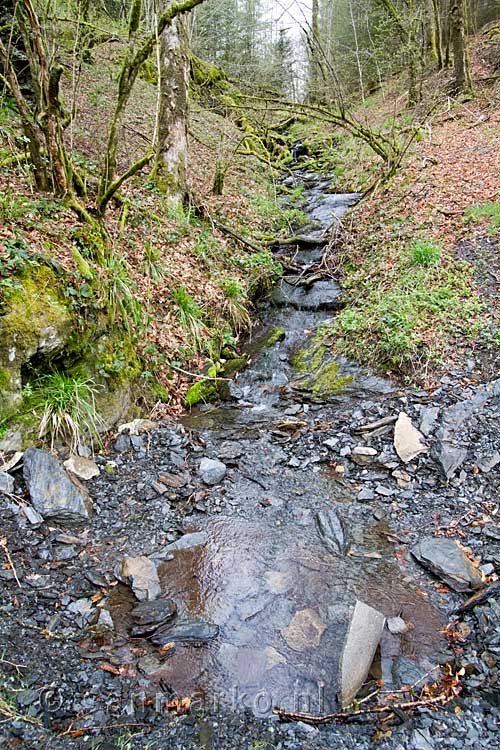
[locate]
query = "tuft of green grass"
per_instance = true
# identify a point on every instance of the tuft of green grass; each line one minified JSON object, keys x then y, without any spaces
{"x":424,"y":252}
{"x":235,"y":305}
{"x":153,"y":263}
{"x":119,"y":294}
{"x":190,"y":318}
{"x":484,"y":211}
{"x":67,"y":408}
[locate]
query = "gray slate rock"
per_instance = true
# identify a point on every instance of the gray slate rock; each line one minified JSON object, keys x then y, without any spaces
{"x":448,"y":561}
{"x":149,"y":616}
{"x":6,"y":482}
{"x":212,"y":471}
{"x":53,"y":493}
{"x":332,"y":531}
{"x":188,"y":541}
{"x":186,"y":631}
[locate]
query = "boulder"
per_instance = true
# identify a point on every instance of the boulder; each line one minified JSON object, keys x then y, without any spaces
{"x":53,"y":493}
{"x":446,"y":559}
{"x":142,"y":575}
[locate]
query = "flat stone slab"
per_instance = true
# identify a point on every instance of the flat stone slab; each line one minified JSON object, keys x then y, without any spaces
{"x":364,"y":634}
{"x":53,"y":493}
{"x":446,"y":559}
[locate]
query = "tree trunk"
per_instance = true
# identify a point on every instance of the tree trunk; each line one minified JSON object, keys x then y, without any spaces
{"x":314,"y":63}
{"x":438,"y":33}
{"x":171,"y":147}
{"x":459,"y":44}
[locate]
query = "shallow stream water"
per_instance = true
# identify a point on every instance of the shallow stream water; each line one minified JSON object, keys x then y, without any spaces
{"x":281,"y":595}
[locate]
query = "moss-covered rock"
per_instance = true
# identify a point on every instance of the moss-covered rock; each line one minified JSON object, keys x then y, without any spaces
{"x":320,"y":374}
{"x":202,"y":391}
{"x":35,"y":321}
{"x":236,"y":364}
{"x":275,"y":335}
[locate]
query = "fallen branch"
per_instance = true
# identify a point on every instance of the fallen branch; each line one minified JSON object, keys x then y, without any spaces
{"x":439,"y":700}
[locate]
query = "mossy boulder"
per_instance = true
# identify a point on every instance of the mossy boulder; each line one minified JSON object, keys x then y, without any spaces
{"x":202,"y":391}
{"x":320,"y":375}
{"x":35,"y":322}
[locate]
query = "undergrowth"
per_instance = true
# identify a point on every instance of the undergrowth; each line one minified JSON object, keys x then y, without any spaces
{"x":401,"y":316}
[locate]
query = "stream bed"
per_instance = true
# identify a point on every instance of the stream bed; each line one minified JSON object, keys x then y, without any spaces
{"x":285,"y":594}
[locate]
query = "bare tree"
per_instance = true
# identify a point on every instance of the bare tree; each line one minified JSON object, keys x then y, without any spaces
{"x":171,"y":136}
{"x":458,"y":24}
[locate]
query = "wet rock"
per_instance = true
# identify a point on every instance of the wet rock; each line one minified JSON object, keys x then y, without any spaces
{"x":332,"y":531}
{"x":408,"y":441}
{"x":448,"y":561}
{"x":304,"y":630}
{"x":149,"y":616}
{"x":6,"y":482}
{"x":363,"y":636}
{"x":53,"y":493}
{"x":197,"y":631}
{"x":83,"y":468}
{"x":188,"y":541}
{"x":322,"y":295}
{"x":142,"y":575}
{"x":212,"y":471}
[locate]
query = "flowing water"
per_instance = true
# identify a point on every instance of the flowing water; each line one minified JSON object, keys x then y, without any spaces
{"x":281,"y":593}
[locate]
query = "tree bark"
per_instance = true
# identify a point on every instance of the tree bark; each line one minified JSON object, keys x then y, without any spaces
{"x":459,"y":45}
{"x":172,"y":144}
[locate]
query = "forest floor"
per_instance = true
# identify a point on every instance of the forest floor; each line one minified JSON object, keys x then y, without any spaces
{"x":419,"y":270}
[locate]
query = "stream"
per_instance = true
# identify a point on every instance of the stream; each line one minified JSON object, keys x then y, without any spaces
{"x":287,"y":583}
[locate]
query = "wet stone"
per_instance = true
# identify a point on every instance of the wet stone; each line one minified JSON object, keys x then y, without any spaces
{"x":449,"y":562}
{"x":197,"y":631}
{"x":332,"y":531}
{"x":149,"y":616}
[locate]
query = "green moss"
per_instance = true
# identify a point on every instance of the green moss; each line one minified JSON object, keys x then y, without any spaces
{"x":36,"y":303}
{"x":237,"y":364}
{"x":328,"y":381}
{"x":308,"y":360}
{"x":83,"y":267}
{"x":4,"y":378}
{"x":113,"y":358}
{"x":203,"y":390}
{"x":159,"y":392}
{"x":275,"y":335}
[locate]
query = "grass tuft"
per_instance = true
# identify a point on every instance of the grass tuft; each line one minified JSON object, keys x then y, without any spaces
{"x":67,"y":406}
{"x":424,"y":252}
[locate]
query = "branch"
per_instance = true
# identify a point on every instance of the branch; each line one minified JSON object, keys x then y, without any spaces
{"x":116,"y":185}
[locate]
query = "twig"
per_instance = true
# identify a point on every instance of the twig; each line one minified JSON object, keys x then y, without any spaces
{"x":195,"y":374}
{"x":69,"y":731}
{"x":3,"y":545}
